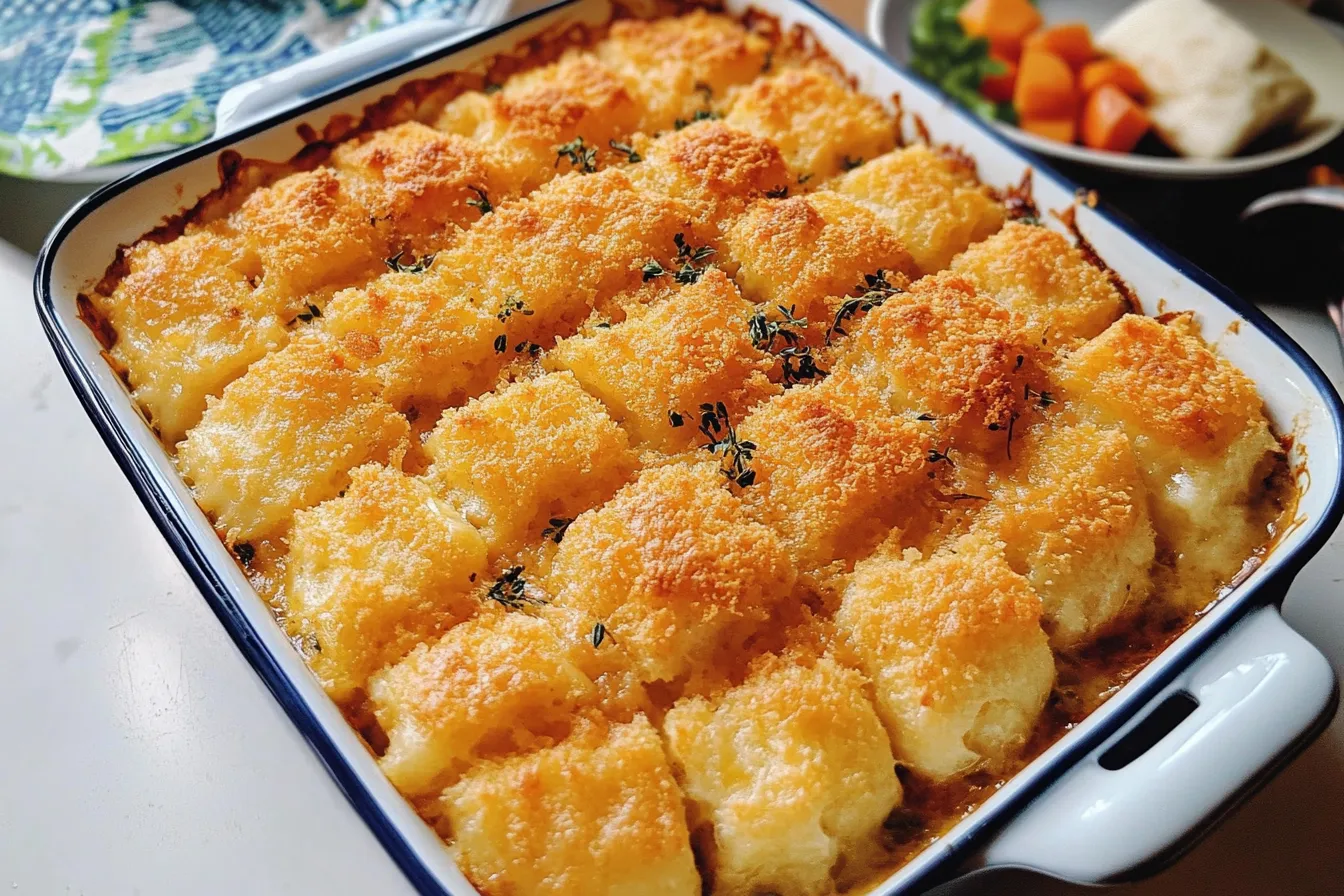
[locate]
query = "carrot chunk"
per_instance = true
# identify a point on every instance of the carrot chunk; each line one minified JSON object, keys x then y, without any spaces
{"x":1065,"y":130}
{"x":1004,"y":23}
{"x":1045,"y":87}
{"x":1070,"y":41}
{"x":1115,"y":72}
{"x":999,"y":88}
{"x":1112,"y":121}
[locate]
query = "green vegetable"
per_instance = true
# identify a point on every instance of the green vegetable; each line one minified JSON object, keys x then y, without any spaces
{"x":942,"y":53}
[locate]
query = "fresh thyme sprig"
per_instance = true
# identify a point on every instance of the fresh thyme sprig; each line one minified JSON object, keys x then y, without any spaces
{"x":700,"y":115}
{"x":688,"y":258}
{"x":1043,"y":399}
{"x":557,"y":529}
{"x":800,"y":366}
{"x":735,"y":454}
{"x":581,"y":156}
{"x":764,"y":331}
{"x":630,"y":155}
{"x":512,"y":305}
{"x":873,"y":291}
{"x":311,"y":313}
{"x":510,"y":591}
{"x":482,"y":201}
{"x":418,"y":266}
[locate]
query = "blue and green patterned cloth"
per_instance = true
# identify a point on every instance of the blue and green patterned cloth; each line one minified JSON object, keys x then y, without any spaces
{"x":85,"y":83}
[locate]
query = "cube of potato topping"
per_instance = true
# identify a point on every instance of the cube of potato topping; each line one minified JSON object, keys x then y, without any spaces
{"x":821,"y":125}
{"x":834,"y":469}
{"x":373,"y":573}
{"x":797,"y":252}
{"x":954,"y":647}
{"x":674,"y":568}
{"x":1072,"y":512}
{"x":1040,"y":275}
{"x":681,"y":66}
{"x":513,"y":459}
{"x":793,"y":770}
{"x":597,"y":815}
{"x":499,"y":683}
{"x":189,"y":321}
{"x":933,"y":200}
{"x":669,"y":357}
{"x":521,"y":126}
{"x":285,"y":436}
{"x":1200,"y":434}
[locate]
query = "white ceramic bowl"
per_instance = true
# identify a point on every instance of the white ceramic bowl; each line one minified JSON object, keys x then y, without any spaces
{"x":1313,"y":46}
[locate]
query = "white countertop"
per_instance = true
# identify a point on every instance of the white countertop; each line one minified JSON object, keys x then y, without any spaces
{"x":141,"y":754}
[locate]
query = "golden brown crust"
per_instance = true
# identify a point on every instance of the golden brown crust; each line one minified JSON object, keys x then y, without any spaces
{"x":800,"y":251}
{"x":285,"y":436}
{"x":821,"y":125}
{"x":598,"y":815}
{"x":792,"y":769}
{"x":1170,"y":383}
{"x":1042,"y":277}
{"x":375,"y":572}
{"x":674,"y":569}
{"x":934,"y":202}
{"x":945,"y":351}
{"x":954,"y":647}
{"x":537,"y":449}
{"x":669,"y":357}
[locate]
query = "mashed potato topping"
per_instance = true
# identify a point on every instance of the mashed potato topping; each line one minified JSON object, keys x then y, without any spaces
{"x":682,"y":484}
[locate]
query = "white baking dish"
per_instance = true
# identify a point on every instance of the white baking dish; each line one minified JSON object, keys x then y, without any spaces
{"x":1263,"y":691}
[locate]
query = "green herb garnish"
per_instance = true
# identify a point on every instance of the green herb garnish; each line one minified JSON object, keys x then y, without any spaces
{"x":872,"y":292}
{"x":688,"y":257}
{"x":512,"y":305}
{"x":482,"y":201}
{"x":764,"y":331}
{"x":510,"y":591}
{"x":557,"y":529}
{"x":245,"y":553}
{"x":311,"y":313}
{"x":700,"y":115}
{"x":417,"y":266}
{"x":630,"y":155}
{"x":580,"y":155}
{"x":600,"y":634}
{"x":735,"y":454}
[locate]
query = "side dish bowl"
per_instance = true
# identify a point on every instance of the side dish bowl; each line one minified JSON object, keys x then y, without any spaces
{"x":1230,"y":701}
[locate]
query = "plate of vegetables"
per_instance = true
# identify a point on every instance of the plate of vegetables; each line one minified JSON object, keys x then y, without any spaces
{"x":1189,"y":89}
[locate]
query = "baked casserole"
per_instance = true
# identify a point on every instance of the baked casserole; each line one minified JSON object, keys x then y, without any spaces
{"x":680,"y":480}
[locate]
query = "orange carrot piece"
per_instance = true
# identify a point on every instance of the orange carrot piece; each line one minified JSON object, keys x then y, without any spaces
{"x":1112,"y":121}
{"x":1045,"y":87}
{"x":1064,"y":130}
{"x":1070,"y":41}
{"x":1112,"y":71}
{"x":999,"y":88}
{"x":1004,"y":23}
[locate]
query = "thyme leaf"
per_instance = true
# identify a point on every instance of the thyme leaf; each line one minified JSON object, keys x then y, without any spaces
{"x":600,"y":634}
{"x":580,"y":155}
{"x":630,"y":155}
{"x":510,"y":591}
{"x":312,"y":312}
{"x":512,"y":305}
{"x":777,"y":192}
{"x":764,"y":331}
{"x":482,"y":201}
{"x":557,"y":529}
{"x":501,"y":343}
{"x":800,"y":366}
{"x":1043,"y":399}
{"x":416,"y":266}
{"x":700,"y":115}
{"x":692,"y":263}
{"x":849,"y":164}
{"x":734,"y":453}
{"x":245,"y":553}
{"x":872,"y":292}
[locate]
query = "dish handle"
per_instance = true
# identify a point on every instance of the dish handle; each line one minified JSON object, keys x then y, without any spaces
{"x":1260,"y":693}
{"x":254,"y":100}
